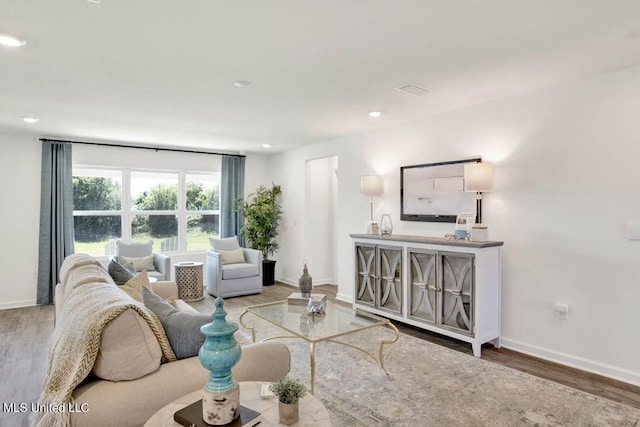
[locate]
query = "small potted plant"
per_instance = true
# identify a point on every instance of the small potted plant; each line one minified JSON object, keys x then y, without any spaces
{"x":289,"y":393}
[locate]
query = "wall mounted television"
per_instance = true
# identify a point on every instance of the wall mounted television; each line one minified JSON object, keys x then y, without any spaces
{"x":434,"y":192}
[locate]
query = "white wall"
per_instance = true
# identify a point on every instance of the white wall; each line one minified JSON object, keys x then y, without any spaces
{"x":20,"y":215}
{"x":19,"y":219}
{"x":566,"y":184}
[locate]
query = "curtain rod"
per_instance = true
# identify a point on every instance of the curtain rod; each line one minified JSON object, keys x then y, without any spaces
{"x":141,"y":147}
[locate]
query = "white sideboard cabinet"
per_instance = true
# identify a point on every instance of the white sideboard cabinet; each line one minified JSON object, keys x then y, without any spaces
{"x":451,"y":287}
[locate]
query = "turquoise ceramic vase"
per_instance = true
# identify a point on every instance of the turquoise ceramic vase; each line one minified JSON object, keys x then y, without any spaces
{"x":219,"y":353}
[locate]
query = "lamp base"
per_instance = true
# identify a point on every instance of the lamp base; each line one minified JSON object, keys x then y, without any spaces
{"x":373,"y":228}
{"x":479,"y":233}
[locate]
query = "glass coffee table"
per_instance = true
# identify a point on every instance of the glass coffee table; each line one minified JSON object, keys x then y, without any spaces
{"x":337,"y":322}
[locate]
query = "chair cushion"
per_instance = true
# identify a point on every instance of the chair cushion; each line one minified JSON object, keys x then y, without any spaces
{"x":142,"y":263}
{"x":235,"y":256}
{"x":226,"y":244}
{"x":182,"y":328}
{"x":134,"y":250}
{"x":121,"y":272}
{"x":239,"y":271}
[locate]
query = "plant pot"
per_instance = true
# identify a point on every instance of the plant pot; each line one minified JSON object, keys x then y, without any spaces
{"x":268,"y":272}
{"x":288,"y":412}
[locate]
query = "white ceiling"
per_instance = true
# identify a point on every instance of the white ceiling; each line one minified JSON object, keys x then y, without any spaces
{"x":161,"y":72}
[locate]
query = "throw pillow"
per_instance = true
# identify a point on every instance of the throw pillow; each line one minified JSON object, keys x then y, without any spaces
{"x":134,"y":286}
{"x":144,"y":263}
{"x":120,"y":272}
{"x":182,"y":329}
{"x":225,"y":244}
{"x":232,"y":257}
{"x":134,"y":250}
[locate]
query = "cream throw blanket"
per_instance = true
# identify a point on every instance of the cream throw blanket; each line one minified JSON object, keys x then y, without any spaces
{"x":76,"y":340}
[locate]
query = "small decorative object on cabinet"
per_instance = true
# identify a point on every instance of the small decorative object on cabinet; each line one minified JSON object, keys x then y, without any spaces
{"x":219,"y":353}
{"x":386,"y":227}
{"x":289,"y":393}
{"x":451,"y":287}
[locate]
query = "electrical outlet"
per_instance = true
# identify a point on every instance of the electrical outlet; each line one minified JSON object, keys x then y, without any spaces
{"x":562,"y":311}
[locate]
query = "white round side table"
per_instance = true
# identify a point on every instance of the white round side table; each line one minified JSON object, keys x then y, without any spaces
{"x":312,"y":411}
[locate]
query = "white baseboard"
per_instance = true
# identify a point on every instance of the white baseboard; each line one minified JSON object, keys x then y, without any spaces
{"x":287,"y":281}
{"x":609,"y":371}
{"x":17,"y":304}
{"x":345,"y":297}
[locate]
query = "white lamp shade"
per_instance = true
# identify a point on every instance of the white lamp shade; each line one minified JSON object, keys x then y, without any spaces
{"x":478,"y":177}
{"x":371,"y":185}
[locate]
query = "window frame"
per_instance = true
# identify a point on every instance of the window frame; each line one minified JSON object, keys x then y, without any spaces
{"x":127,"y":211}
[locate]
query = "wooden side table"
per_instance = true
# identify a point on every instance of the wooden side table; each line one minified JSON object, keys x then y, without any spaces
{"x":312,"y":411}
{"x":189,"y":280}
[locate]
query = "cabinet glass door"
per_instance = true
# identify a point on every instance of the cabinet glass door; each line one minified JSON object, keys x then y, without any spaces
{"x":422,"y":278}
{"x":366,"y":274}
{"x":457,"y":291}
{"x":390,"y":281}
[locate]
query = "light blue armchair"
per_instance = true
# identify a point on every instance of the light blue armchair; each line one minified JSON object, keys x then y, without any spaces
{"x":232,"y":270}
{"x":161,"y":262}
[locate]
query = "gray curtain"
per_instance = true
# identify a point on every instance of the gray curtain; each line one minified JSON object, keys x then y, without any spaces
{"x":232,"y":189}
{"x":56,"y":216}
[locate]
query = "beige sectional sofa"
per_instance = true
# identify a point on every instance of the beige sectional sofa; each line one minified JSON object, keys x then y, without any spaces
{"x":129,"y":380}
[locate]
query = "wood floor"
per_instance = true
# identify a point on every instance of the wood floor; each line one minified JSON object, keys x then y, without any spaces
{"x":25,"y":332}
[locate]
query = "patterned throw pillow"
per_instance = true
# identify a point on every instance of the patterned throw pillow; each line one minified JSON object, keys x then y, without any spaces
{"x":121,"y":273}
{"x":182,"y":328}
{"x":134,"y":286}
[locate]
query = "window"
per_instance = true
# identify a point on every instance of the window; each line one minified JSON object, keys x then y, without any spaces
{"x":97,"y":209}
{"x":178,"y":211}
{"x":154,"y":209}
{"x":202,"y":208}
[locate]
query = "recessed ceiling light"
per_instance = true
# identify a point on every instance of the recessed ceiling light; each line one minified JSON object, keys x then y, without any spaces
{"x":241,"y":83}
{"x":266,"y":145}
{"x":30,"y":119}
{"x":11,"y":41}
{"x":375,"y":113}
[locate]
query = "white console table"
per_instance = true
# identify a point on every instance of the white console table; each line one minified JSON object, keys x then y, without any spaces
{"x":451,"y":287}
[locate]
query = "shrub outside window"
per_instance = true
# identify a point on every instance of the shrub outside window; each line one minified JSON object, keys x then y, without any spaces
{"x":178,"y":211}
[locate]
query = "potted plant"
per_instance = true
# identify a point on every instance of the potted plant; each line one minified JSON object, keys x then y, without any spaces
{"x":262,"y":211}
{"x":289,"y":393}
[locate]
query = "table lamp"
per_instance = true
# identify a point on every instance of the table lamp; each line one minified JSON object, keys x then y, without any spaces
{"x":478,"y":178}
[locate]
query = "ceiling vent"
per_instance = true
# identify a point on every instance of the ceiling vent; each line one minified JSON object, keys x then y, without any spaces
{"x":413,"y":89}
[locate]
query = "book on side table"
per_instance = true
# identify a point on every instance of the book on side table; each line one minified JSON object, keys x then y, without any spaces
{"x":192,"y":416}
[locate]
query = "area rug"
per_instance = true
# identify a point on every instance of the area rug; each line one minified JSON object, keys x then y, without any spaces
{"x":431,"y":385}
